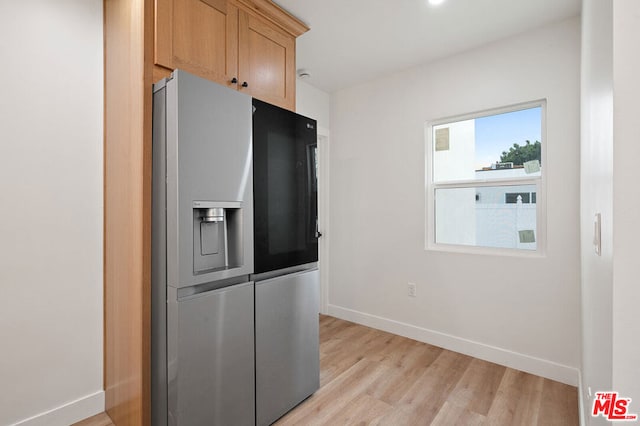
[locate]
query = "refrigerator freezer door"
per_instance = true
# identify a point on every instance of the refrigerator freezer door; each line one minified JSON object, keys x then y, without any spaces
{"x":214,"y":384}
{"x":287,"y":343}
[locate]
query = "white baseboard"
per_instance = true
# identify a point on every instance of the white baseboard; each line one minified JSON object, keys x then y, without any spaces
{"x":518,"y":361}
{"x":68,"y":413}
{"x":581,"y":406}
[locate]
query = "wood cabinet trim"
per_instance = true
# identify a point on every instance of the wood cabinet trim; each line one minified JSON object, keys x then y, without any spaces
{"x":265,"y":27}
{"x":275,"y":14}
{"x":221,"y":5}
{"x":160,"y":72}
{"x":163,"y":33}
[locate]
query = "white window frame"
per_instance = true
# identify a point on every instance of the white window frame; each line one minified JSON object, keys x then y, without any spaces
{"x":538,"y":181}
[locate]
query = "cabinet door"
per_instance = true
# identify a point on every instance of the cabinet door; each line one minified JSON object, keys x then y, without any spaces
{"x":199,"y":36}
{"x":266,"y":61}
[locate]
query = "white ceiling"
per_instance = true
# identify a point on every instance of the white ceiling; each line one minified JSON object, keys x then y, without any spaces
{"x":352,"y":41}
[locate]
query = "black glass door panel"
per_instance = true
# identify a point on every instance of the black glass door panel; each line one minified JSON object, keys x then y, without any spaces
{"x":285,"y":188}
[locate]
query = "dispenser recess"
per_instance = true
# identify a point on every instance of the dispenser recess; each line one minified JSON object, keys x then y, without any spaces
{"x":217,"y":236}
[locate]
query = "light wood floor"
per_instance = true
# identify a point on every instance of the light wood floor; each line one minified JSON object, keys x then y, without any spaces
{"x":97,"y":420}
{"x":369,"y":377}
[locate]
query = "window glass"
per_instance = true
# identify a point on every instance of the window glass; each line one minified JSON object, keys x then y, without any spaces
{"x":485,"y":217}
{"x":486,"y":177}
{"x":506,"y":145}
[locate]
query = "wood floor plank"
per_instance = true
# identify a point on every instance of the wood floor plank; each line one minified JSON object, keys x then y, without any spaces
{"x":405,"y":370}
{"x":362,"y":410}
{"x":336,"y":395}
{"x":517,"y":401}
{"x":453,"y":415}
{"x":478,"y":386}
{"x":101,"y":419}
{"x":347,"y":353}
{"x":429,"y":392}
{"x":558,"y":405}
{"x":401,"y":415}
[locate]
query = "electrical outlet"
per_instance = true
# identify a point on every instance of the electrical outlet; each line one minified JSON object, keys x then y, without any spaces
{"x":412,"y":289}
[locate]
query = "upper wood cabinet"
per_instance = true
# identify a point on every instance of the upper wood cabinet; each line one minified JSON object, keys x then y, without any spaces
{"x":199,"y":36}
{"x":248,"y":45}
{"x":267,"y":61}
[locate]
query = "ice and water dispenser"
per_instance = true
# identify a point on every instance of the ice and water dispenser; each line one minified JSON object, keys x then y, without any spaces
{"x":217,"y":236}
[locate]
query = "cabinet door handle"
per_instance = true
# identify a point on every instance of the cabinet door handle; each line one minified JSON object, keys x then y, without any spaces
{"x":234,"y":80}
{"x":245,"y":84}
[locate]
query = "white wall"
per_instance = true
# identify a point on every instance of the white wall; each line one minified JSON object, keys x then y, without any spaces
{"x":378,"y":214}
{"x":51,"y":211}
{"x":626,"y":234}
{"x":597,"y":197}
{"x":610,"y":152}
{"x":313,"y":103}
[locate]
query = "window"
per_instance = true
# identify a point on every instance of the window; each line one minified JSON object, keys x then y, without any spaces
{"x":485,"y":175}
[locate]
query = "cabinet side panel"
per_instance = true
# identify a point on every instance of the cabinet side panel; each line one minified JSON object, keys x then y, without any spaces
{"x":127,"y":227}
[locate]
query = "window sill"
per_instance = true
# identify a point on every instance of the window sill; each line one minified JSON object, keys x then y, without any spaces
{"x":486,"y":251}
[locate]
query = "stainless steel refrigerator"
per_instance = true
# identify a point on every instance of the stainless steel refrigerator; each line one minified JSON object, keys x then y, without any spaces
{"x":231,"y":344}
{"x":286,"y":260}
{"x":203,"y":353}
